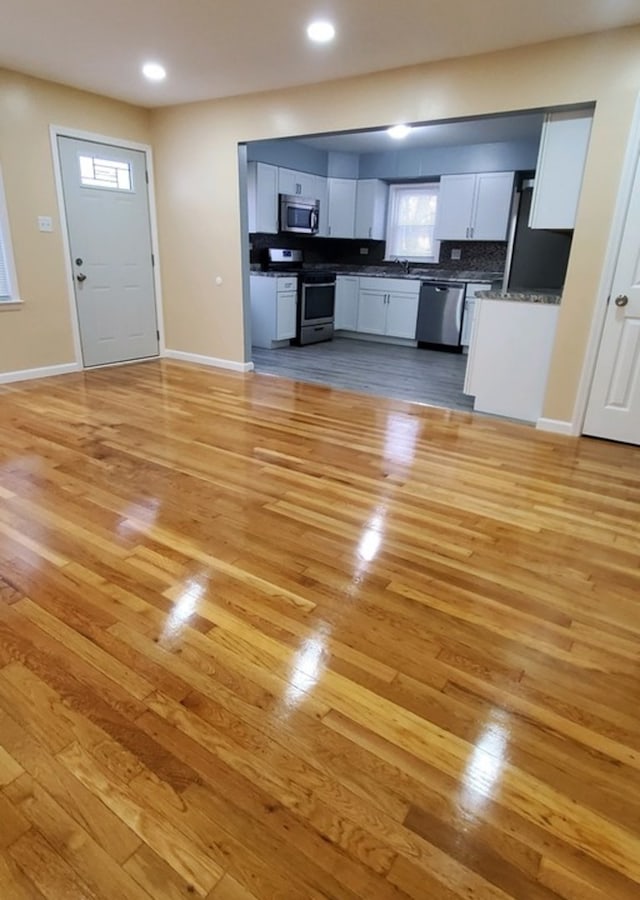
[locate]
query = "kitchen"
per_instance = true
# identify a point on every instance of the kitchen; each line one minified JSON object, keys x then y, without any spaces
{"x":475,"y":186}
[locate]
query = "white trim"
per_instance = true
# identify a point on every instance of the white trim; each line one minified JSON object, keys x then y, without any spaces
{"x":209,"y":361}
{"x":58,"y":130}
{"x":558,"y":426}
{"x":44,"y":372}
{"x":631,"y":161}
{"x":11,"y":304}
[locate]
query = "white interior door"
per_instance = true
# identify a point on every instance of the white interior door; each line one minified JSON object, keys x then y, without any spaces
{"x":613,"y":410}
{"x":107,"y":208}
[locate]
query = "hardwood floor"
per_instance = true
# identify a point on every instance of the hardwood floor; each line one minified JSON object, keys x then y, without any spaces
{"x":262,"y":639}
{"x":433,"y":377}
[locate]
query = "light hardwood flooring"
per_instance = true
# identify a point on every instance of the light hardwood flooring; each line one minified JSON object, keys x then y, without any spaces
{"x":433,"y":377}
{"x":260,"y":639}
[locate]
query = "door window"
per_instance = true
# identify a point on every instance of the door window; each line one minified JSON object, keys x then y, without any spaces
{"x":105,"y":173}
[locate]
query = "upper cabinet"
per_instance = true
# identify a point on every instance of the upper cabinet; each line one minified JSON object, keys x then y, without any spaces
{"x":371,"y":209}
{"x":342,"y":207}
{"x":301,"y":184}
{"x":561,"y":162}
{"x":474,"y":207}
{"x":262,"y":197}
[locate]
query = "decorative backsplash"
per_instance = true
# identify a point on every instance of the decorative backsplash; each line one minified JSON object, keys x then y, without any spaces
{"x":487,"y":256}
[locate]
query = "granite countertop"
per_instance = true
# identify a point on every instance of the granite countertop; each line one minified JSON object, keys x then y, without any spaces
{"x":549,"y":298}
{"x":390,"y":272}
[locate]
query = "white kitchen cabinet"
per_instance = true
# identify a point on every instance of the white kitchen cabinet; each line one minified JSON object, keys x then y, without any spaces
{"x":371,"y":209}
{"x":469,"y":309}
{"x":346,"y":312}
{"x":292,"y":182}
{"x":388,"y":306}
{"x":474,"y":207}
{"x":342,"y":207}
{"x":262,"y":197}
{"x":322,"y":193}
{"x":274,"y":305}
{"x":509,"y":357}
{"x":561,"y":160}
{"x":372,"y":311}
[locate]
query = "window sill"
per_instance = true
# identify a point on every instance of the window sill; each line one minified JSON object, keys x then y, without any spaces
{"x":11,"y":304}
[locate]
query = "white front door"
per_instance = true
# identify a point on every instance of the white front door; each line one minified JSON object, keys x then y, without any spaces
{"x":107,"y":208}
{"x":613,"y":410}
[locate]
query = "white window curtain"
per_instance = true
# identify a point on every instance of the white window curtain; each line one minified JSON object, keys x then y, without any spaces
{"x":411,"y":222}
{"x":7,"y":274}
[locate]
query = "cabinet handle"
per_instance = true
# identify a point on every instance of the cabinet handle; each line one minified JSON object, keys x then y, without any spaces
{"x":329,"y":229}
{"x":369,"y":230}
{"x":467,"y":232}
{"x":471,"y":230}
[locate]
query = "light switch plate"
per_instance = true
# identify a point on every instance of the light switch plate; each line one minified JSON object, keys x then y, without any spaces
{"x":45,"y":223}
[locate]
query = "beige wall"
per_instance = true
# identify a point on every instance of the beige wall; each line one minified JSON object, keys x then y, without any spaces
{"x":197,"y":178}
{"x":39,"y":333}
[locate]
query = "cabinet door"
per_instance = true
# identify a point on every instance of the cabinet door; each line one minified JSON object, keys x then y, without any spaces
{"x":346,"y":315}
{"x":372,"y":312}
{"x":262,"y":197}
{"x":561,"y":161}
{"x":287,"y":181}
{"x":307,"y":185}
{"x":494,"y":196}
{"x":402,"y":315}
{"x":371,"y":209}
{"x":286,"y":307}
{"x":467,"y":322}
{"x":342,"y":207}
{"x":455,"y":207}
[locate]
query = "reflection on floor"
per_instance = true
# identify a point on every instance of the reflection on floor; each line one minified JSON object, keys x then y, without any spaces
{"x":386,"y":370}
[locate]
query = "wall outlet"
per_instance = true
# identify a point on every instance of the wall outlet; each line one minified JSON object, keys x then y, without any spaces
{"x":364,"y":251}
{"x":456,"y":253}
{"x":45,"y":223}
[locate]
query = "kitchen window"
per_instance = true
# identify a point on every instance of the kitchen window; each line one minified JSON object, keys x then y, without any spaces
{"x":411,"y":222}
{"x":8,"y":284}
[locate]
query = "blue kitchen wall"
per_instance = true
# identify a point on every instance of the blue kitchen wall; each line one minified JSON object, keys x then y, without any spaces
{"x":511,"y":156}
{"x":425,"y":162}
{"x":289,"y":155}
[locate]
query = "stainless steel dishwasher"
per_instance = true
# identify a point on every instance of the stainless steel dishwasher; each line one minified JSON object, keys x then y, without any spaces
{"x":440,"y":311}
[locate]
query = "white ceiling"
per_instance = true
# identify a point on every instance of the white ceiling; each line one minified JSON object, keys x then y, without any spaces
{"x":490,"y":129}
{"x":216,"y":48}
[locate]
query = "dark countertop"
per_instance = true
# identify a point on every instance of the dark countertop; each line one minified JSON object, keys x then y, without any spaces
{"x":547,"y":298}
{"x":392,"y":272}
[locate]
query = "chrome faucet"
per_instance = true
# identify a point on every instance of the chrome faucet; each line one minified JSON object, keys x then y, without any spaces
{"x":404,"y":265}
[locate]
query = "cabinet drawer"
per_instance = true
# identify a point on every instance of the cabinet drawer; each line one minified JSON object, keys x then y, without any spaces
{"x":391,"y":285}
{"x":286,"y":284}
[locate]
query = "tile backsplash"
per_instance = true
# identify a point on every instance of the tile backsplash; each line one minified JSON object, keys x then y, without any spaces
{"x":489,"y":256}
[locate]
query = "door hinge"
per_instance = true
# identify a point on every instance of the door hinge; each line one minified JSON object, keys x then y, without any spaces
{"x":608,"y":299}
{"x":158,"y":334}
{"x":146,"y":176}
{"x":153,"y":259}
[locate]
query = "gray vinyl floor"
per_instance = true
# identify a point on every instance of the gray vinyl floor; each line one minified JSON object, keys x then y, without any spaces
{"x":402,"y":373}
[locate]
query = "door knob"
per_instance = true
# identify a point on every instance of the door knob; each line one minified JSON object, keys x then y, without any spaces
{"x":621,"y":300}
{"x":81,"y":277}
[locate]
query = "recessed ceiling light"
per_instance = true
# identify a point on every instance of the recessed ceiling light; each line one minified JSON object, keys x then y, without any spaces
{"x":321,"y":32}
{"x":398,"y":132}
{"x":154,"y":71}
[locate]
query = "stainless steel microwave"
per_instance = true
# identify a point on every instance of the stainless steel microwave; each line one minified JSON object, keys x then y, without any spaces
{"x":299,"y":214}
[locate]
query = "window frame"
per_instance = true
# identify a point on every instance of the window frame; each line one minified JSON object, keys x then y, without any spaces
{"x":433,"y":185}
{"x":6,"y":249}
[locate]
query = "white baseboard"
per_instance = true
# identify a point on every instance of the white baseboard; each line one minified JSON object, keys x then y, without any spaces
{"x":44,"y":372}
{"x":209,"y":361}
{"x":557,"y":426}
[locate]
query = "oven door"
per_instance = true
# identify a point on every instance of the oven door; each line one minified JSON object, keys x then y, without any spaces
{"x":317,"y":303}
{"x":298,"y":215}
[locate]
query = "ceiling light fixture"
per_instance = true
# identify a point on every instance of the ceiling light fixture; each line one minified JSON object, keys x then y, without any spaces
{"x":398,"y":132}
{"x":321,"y":32}
{"x":154,"y":71}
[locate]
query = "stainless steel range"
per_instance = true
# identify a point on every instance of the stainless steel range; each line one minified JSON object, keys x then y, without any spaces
{"x":316,"y":296}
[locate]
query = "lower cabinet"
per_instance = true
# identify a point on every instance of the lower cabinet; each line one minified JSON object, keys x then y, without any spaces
{"x":470,"y":309}
{"x":388,"y":306}
{"x":274,"y":306}
{"x":509,"y":357}
{"x":346,"y":312}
